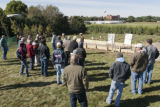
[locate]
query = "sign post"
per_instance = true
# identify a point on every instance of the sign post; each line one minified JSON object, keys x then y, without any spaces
{"x":111,"y":40}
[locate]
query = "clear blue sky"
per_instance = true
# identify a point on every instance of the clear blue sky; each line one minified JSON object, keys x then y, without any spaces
{"x":96,"y":7}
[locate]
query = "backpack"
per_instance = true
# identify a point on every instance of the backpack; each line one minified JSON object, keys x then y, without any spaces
{"x":59,"y":57}
{"x":157,"y":54}
{"x":18,"y":55}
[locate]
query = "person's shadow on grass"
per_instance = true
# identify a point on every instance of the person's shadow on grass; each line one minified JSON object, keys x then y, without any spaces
{"x":151,"y":89}
{"x":139,"y":102}
{"x":98,"y":77}
{"x":30,"y":84}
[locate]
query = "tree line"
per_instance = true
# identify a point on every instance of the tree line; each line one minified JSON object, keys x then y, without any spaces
{"x":126,"y":19}
{"x":37,"y":19}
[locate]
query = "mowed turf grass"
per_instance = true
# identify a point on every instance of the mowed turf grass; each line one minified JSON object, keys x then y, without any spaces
{"x":39,"y":91}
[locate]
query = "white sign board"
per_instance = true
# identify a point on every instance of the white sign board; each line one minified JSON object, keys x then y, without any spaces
{"x":111,"y":38}
{"x":128,"y":39}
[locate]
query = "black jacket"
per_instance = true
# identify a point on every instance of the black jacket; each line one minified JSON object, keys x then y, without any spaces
{"x":81,"y":53}
{"x":73,"y":46}
{"x":58,"y":57}
{"x":43,"y":51}
{"x":120,"y":71}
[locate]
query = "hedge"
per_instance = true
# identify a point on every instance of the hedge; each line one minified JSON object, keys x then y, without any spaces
{"x":121,"y":29}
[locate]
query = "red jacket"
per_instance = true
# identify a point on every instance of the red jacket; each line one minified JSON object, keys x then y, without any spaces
{"x":30,"y":51}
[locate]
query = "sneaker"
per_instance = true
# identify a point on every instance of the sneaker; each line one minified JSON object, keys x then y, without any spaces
{"x":150,"y":83}
{"x":21,"y":74}
{"x":134,"y":93}
{"x":108,"y":102}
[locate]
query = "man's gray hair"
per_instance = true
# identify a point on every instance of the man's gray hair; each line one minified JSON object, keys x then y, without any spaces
{"x":74,"y":37}
{"x":23,"y":39}
{"x":74,"y":59}
{"x":68,"y":38}
{"x":58,"y":45}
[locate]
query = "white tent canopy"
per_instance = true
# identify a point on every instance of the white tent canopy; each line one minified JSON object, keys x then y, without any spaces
{"x":13,"y":15}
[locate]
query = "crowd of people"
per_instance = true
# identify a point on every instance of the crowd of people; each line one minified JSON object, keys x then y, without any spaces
{"x":68,"y":59}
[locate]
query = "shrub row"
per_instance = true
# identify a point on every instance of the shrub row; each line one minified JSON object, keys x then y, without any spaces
{"x":121,"y":29}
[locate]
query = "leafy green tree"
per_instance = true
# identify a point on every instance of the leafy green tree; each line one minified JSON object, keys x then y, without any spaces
{"x":50,"y":13}
{"x":60,"y":24}
{"x":131,"y":19}
{"x":26,"y":30}
{"x":34,"y":29}
{"x":40,"y":29}
{"x":77,"y":25}
{"x":139,"y":19}
{"x":16,"y":7}
{"x":5,"y":24}
{"x":48,"y":30}
{"x":35,"y":11}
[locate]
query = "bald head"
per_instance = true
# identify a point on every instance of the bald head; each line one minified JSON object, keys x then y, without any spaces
{"x":74,"y":59}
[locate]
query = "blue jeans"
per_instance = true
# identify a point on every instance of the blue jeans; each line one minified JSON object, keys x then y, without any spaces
{"x":4,"y":54}
{"x":44,"y":66}
{"x":24,"y":65}
{"x":82,"y":98}
{"x":115,"y":85}
{"x":134,"y":77}
{"x":148,"y":70}
{"x":54,"y":46}
{"x":31,"y":65}
{"x":59,"y":69}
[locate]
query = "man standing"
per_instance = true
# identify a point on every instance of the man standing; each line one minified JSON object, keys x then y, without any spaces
{"x":66,"y":45}
{"x":44,"y":56}
{"x":81,"y":39}
{"x":53,"y":41}
{"x":21,"y":54}
{"x":75,"y":78}
{"x":4,"y":47}
{"x":73,"y":44}
{"x":63,"y":37}
{"x":81,"y":52}
{"x":119,"y":72}
{"x":153,"y":53}
{"x":58,"y":58}
{"x":30,"y":53}
{"x":138,"y":63}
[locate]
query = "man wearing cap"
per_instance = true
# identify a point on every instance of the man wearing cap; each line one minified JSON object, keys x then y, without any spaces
{"x":138,"y":64}
{"x":153,"y":53}
{"x":4,"y":47}
{"x":119,"y":72}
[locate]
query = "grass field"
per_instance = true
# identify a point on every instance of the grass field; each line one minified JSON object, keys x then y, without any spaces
{"x":147,"y":24}
{"x":120,"y":37}
{"x":38,"y":91}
